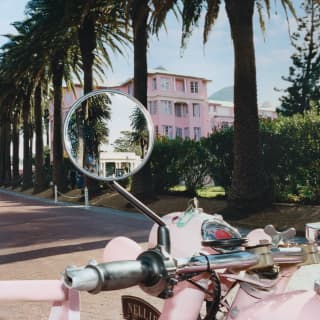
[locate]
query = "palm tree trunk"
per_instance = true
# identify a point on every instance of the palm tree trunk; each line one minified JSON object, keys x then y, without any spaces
{"x":40,"y":182}
{"x":7,"y":160}
{"x":27,"y":155}
{"x":58,"y":172}
{"x":142,"y":181}
{"x":248,"y":189}
{"x":88,"y":43}
{"x":15,"y":149}
{"x":2,"y":150}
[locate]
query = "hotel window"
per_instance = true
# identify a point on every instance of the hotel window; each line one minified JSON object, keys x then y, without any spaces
{"x":180,"y":85}
{"x":186,"y":132}
{"x":196,"y":110}
{"x":224,"y":124}
{"x":212,"y":109}
{"x":156,"y":131}
{"x":179,"y":132}
{"x":166,"y":107}
{"x":178,"y":110}
{"x":164,"y":83}
{"x":152,"y":106}
{"x":196,"y":133}
{"x":167,"y":131}
{"x":181,"y":110}
{"x":194,"y":86}
{"x":154,"y":83}
{"x":185,"y":110}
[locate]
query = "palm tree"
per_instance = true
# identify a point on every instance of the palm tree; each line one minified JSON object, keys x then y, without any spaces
{"x":28,"y":68}
{"x":249,"y":189}
{"x":142,"y":17}
{"x":139,"y":135}
{"x":56,"y":43}
{"x":10,"y":100}
{"x":5,"y":133}
{"x":15,"y":147}
{"x":98,"y":25}
{"x":14,"y":67}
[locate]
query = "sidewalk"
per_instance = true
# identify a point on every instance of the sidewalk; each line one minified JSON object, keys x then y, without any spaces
{"x":38,"y":239}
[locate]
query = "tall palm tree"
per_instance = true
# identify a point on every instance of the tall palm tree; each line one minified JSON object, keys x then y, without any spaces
{"x":55,"y":41}
{"x":14,"y":67}
{"x":69,"y":29}
{"x":143,"y":21}
{"x":11,"y":100}
{"x":249,"y":188}
{"x":5,"y":133}
{"x":40,"y":179}
{"x":139,"y":135}
{"x":15,"y":147}
{"x":99,"y":26}
{"x":29,"y":69}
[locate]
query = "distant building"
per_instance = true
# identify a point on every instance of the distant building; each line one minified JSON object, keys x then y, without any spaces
{"x":178,"y":104}
{"x":221,"y":114}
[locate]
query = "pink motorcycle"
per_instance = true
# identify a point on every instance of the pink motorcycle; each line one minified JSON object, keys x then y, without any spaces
{"x":200,"y":265}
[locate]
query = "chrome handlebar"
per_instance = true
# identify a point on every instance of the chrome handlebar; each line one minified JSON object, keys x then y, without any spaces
{"x":155,"y":271}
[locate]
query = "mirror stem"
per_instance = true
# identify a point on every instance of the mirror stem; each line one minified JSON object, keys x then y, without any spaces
{"x":137,"y":203}
{"x":163,"y":231}
{"x":164,"y":238}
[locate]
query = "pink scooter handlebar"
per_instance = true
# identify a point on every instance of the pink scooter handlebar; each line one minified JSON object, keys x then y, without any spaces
{"x":151,"y":267}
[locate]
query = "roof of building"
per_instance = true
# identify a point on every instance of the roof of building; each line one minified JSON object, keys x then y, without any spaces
{"x":162,"y":70}
{"x":224,"y":94}
{"x":221,"y":102}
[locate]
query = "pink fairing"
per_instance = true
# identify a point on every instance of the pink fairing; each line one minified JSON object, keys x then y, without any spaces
{"x":295,"y":305}
{"x":187,"y":298}
{"x":185,"y":304}
{"x":121,"y":248}
{"x":256,"y":236}
{"x":65,"y":302}
{"x":186,"y":240}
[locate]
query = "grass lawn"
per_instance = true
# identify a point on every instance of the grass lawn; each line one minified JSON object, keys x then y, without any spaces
{"x":204,"y":192}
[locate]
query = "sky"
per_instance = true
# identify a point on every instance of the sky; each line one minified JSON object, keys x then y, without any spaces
{"x":214,"y":61}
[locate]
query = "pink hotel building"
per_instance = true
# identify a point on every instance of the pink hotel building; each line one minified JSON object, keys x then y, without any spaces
{"x":178,"y":105}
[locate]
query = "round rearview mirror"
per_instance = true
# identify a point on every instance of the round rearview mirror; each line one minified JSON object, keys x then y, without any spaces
{"x":108,"y":135}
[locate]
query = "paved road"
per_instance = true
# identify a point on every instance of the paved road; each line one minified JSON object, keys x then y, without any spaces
{"x":38,"y":239}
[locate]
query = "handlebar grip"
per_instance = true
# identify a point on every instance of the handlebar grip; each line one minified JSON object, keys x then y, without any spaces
{"x":106,"y":276}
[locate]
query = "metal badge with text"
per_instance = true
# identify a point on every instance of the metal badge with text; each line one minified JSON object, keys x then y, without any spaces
{"x":135,"y":308}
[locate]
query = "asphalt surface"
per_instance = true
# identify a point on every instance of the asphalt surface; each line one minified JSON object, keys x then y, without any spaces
{"x":39,"y":238}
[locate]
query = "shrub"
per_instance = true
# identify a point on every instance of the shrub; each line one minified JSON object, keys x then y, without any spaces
{"x":193,"y":164}
{"x":290,"y":155}
{"x":219,"y":146}
{"x":175,"y":160}
{"x":163,"y":163}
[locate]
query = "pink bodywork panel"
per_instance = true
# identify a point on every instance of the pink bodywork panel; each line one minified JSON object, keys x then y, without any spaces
{"x":65,"y":302}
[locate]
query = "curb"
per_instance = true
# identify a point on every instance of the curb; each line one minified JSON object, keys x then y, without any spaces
{"x":100,"y":210}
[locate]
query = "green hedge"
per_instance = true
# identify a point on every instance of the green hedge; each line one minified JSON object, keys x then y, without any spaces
{"x":177,"y":160}
{"x":291,"y":159}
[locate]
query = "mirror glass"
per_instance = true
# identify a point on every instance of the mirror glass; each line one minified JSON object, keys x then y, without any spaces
{"x":108,"y":135}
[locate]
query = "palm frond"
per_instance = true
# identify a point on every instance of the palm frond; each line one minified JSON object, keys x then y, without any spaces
{"x":210,"y":18}
{"x":190,"y":17}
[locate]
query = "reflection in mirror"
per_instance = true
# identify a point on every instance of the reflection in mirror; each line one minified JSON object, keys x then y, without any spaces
{"x":108,"y":135}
